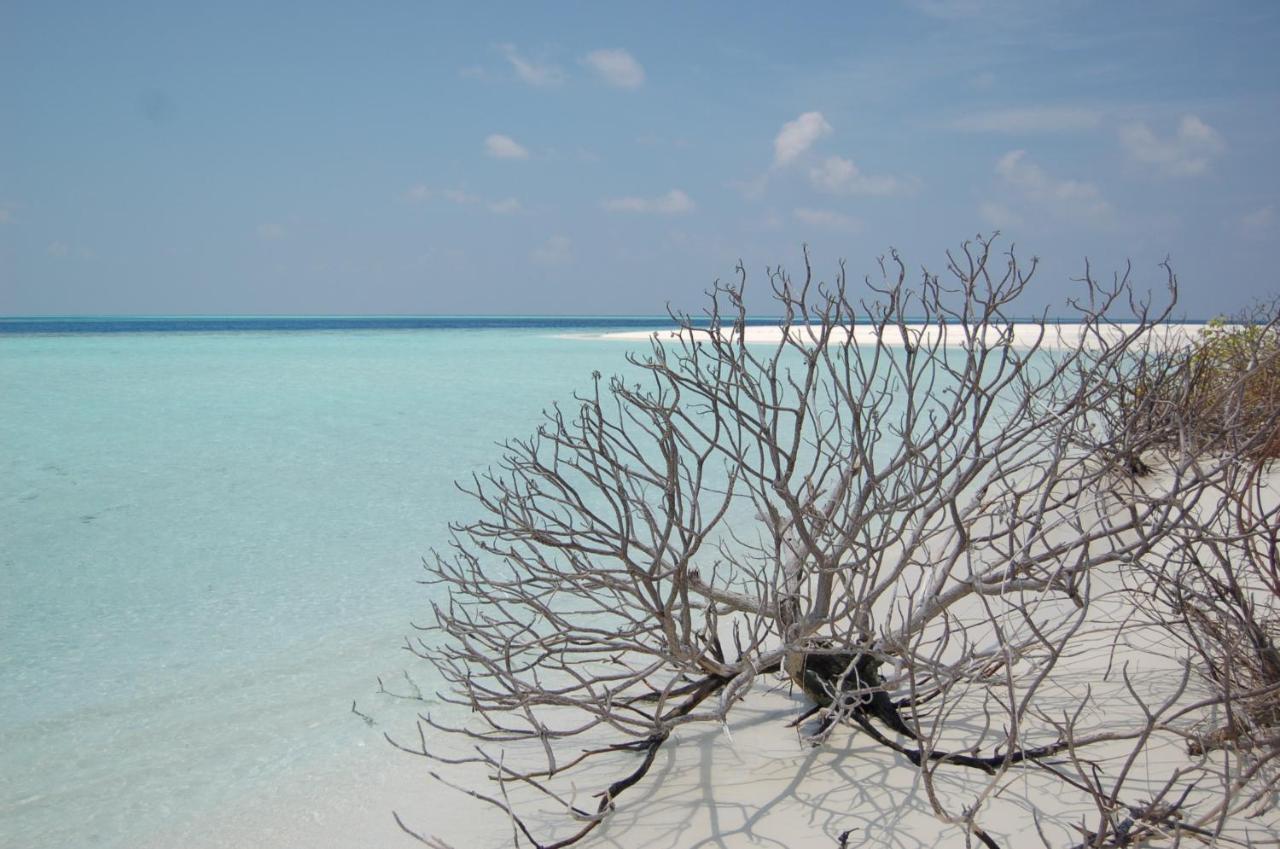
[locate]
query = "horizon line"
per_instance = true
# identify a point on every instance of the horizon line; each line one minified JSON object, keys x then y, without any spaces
{"x":489,"y":316}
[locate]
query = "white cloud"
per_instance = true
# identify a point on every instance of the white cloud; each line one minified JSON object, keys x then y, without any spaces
{"x":674,"y":202}
{"x":998,"y":215}
{"x":1033,"y":194}
{"x":418,"y":193}
{"x":1261,"y":224}
{"x":839,"y":176}
{"x":533,"y":72}
{"x":270,"y":231}
{"x":58,"y":249}
{"x":1187,"y":154}
{"x":797,"y":136}
{"x":558,"y":250}
{"x":616,"y":67}
{"x":1035,"y":119}
{"x":5,"y":215}
{"x":506,"y":206}
{"x":504,"y":147}
{"x":1065,"y":197}
{"x":828,"y":220}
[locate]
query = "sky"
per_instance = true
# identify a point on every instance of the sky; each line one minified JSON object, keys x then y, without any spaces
{"x":602,"y":158}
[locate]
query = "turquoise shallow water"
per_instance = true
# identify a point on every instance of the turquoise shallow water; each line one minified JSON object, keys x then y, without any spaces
{"x":209,"y":544}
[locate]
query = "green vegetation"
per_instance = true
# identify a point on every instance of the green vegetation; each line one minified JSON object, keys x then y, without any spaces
{"x":1235,"y":380}
{"x":1220,"y":394}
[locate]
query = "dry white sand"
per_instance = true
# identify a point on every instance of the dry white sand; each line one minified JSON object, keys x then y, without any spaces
{"x":761,"y":785}
{"x":764,"y":787}
{"x":1019,"y":334}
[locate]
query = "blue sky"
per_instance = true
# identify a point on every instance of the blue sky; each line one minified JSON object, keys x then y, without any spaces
{"x":601,"y":158}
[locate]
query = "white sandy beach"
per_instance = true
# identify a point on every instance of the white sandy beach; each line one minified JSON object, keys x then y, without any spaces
{"x":1018,"y":334}
{"x":763,"y":787}
{"x":758,"y":783}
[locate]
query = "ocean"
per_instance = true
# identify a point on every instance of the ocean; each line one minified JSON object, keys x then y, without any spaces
{"x":211,"y":532}
{"x":211,"y":535}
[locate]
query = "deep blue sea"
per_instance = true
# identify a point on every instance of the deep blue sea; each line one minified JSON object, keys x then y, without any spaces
{"x":210,"y":535}
{"x":25,"y":325}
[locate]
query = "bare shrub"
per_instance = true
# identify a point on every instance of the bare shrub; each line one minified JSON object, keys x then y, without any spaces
{"x":1219,"y":587}
{"x":899,"y":502}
